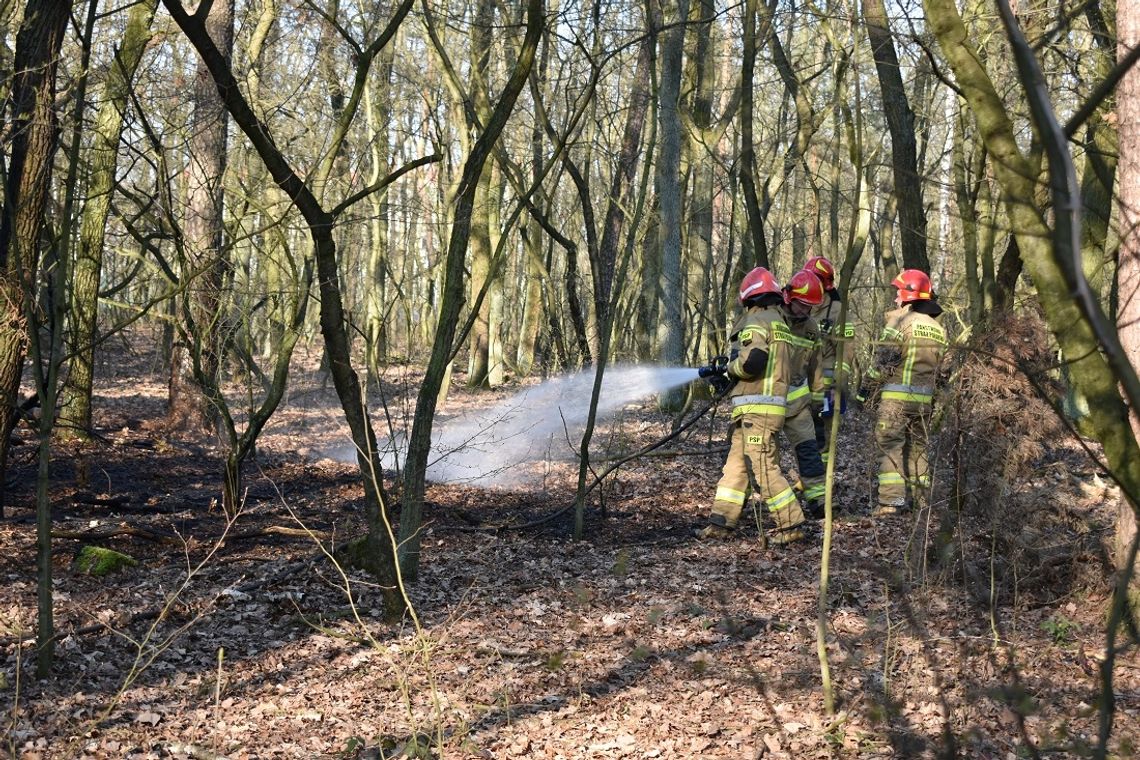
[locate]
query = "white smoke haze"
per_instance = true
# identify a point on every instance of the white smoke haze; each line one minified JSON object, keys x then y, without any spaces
{"x":494,"y":446}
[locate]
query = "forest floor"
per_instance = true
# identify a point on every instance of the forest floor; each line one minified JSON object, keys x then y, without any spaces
{"x":236,"y":641}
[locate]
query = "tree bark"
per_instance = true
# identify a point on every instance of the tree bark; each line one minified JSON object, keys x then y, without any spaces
{"x":900,"y":123}
{"x":75,"y":402}
{"x":669,"y":193}
{"x":1101,"y":143}
{"x":33,"y":137}
{"x":479,"y":246}
{"x":1128,"y":267}
{"x":198,"y":349}
{"x":747,"y":147}
{"x":419,"y":441}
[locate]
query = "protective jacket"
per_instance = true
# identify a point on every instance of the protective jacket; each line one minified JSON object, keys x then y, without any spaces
{"x":759,"y":362}
{"x":804,"y":351}
{"x":907,"y":361}
{"x":823,"y":380}
{"x":907,"y":366}
{"x":827,"y":317}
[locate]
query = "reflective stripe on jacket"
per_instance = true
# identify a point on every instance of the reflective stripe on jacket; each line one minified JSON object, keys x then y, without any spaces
{"x":831,"y":333}
{"x":804,"y":356}
{"x":920,"y":342}
{"x":760,"y":329}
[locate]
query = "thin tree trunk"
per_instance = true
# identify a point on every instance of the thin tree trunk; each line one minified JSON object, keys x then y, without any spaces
{"x":900,"y":123}
{"x":75,"y":405}
{"x":34,"y":139}
{"x":419,"y":441}
{"x":747,"y":147}
{"x":604,"y":297}
{"x":200,"y":344}
{"x":966,"y":184}
{"x":380,"y":553}
{"x":669,"y":194}
{"x":378,"y":309}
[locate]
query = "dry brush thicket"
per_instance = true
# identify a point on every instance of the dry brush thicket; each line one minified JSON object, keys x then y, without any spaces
{"x":1017,"y":499}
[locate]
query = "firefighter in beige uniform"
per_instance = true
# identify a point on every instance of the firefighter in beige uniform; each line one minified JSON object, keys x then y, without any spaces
{"x":906,"y":364}
{"x":826,"y":399}
{"x":759,"y":363}
{"x":803,"y":293}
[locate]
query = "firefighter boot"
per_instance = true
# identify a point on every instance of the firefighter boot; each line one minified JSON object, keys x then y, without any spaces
{"x":788,"y":536}
{"x":716,"y":530}
{"x":789,"y":521}
{"x":814,"y":509}
{"x":713,"y":532}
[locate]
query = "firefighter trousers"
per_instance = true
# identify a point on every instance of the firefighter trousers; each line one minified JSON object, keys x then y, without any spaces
{"x":822,"y":429}
{"x":901,"y":434}
{"x":799,"y":427}
{"x":754,"y":460}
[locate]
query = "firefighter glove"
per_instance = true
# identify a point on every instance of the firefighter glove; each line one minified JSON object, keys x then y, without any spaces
{"x":720,"y":383}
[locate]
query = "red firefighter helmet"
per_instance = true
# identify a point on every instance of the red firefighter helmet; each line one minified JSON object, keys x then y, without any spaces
{"x":913,"y":285}
{"x":823,"y":269}
{"x":756,"y":283}
{"x":804,"y":287}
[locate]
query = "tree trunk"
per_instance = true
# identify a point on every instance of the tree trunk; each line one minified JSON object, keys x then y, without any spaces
{"x":700,"y":146}
{"x":189,"y":409}
{"x":378,"y":310}
{"x":900,"y":123}
{"x":75,"y":405}
{"x":669,"y":194}
{"x":1128,"y":271}
{"x":1100,"y":158}
{"x":33,"y":136}
{"x":747,"y":147}
{"x":419,"y":441}
{"x":967,"y":168}
{"x":479,"y":254}
{"x":534,"y":272}
{"x":532,"y":306}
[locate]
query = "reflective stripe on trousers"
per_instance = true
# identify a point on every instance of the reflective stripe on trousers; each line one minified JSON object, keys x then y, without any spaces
{"x":730,"y":495}
{"x":922,"y":394}
{"x":782,"y":500}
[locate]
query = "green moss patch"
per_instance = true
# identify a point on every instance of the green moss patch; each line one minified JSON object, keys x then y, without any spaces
{"x":97,"y":561}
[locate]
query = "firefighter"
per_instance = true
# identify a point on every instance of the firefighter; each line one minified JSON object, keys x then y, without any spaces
{"x":826,"y":399}
{"x":906,"y":368}
{"x":759,"y":363}
{"x":803,"y":294}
